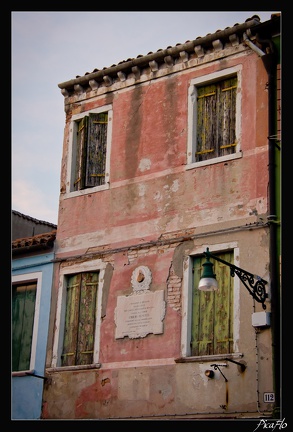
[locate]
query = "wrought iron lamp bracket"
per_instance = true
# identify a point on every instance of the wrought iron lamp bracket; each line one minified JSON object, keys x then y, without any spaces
{"x":253,"y":283}
{"x":217,"y":367}
{"x":256,"y":286}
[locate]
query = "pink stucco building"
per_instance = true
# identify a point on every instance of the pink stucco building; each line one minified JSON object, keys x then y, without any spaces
{"x":164,"y":156}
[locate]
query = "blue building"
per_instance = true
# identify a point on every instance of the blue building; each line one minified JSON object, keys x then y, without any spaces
{"x":32,"y":274}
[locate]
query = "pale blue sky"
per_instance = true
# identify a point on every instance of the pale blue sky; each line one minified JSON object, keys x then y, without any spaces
{"x":52,"y":47}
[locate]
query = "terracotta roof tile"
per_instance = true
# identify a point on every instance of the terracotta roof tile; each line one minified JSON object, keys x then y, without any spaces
{"x":40,"y":241}
{"x":96,"y":77}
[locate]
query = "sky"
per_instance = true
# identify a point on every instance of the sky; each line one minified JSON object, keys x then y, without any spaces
{"x":48,"y":48}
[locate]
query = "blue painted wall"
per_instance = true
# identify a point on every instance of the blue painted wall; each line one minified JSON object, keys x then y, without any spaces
{"x":27,"y":391}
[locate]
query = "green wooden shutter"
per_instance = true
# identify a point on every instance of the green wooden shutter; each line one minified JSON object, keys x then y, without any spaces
{"x":71,"y":321}
{"x":212,"y":312}
{"x":23,"y":313}
{"x":206,"y":122}
{"x":80,"y":163}
{"x":216,"y":119}
{"x":96,"y":149}
{"x":227,"y":116}
{"x":79,"y":332}
{"x":223,"y":324}
{"x":87,"y":321}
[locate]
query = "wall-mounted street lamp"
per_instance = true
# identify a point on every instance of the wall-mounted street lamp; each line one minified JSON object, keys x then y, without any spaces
{"x":254,"y":284}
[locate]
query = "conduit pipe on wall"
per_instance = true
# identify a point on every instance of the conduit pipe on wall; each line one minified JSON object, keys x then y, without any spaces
{"x":270,"y":63}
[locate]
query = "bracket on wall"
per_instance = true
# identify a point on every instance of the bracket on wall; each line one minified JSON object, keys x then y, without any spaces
{"x":217,"y":367}
{"x":242,"y":366}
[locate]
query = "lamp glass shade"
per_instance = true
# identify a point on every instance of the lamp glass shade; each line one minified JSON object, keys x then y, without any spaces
{"x":208,"y":284}
{"x":208,"y":279}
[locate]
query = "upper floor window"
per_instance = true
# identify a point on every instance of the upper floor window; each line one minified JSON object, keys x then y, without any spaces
{"x":214,"y":113}
{"x":26,"y":291}
{"x":90,"y":138}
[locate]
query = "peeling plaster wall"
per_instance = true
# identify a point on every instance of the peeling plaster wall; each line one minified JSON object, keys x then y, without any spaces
{"x":154,"y":214}
{"x":150,"y":189}
{"x":139,"y":377}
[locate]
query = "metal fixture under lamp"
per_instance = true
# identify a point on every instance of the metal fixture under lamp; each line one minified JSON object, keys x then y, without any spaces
{"x":208,"y":281}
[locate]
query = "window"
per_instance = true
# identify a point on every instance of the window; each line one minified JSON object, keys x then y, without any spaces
{"x":90,"y":149}
{"x":216,"y":105}
{"x":214,"y":113}
{"x":23,"y":313}
{"x":212,"y":312}
{"x":80,"y":315}
{"x":26,"y":294}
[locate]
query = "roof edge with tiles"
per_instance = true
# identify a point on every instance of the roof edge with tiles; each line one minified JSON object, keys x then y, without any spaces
{"x":168,"y":56}
{"x":34,"y":243}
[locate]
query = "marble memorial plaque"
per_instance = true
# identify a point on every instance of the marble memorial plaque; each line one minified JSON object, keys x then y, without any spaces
{"x":139,"y":314}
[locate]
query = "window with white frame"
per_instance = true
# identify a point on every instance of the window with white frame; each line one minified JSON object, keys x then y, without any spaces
{"x":214,"y":116}
{"x":80,"y":318}
{"x":212,"y":311}
{"x":26,"y":291}
{"x":76,"y":340}
{"x":90,"y":138}
{"x":210,"y":326}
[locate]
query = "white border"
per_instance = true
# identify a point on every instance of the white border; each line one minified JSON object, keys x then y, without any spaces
{"x":71,"y":153}
{"x":32,"y":277}
{"x":192,"y":115}
{"x":93,"y":265}
{"x":187,"y":296}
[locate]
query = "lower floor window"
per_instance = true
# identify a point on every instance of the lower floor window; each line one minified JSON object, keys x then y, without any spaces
{"x":80,"y":319}
{"x":212,"y":312}
{"x":23,"y":314}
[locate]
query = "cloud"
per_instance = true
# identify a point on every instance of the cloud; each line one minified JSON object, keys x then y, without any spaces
{"x":31,"y":201}
{"x":51,"y":47}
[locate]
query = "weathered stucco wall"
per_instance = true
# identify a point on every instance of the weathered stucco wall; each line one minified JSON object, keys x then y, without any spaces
{"x":145,"y":376}
{"x":155,"y":212}
{"x":151,"y":392}
{"x":151,"y":192}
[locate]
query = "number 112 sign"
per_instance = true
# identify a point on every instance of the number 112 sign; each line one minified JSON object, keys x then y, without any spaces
{"x":269,"y":397}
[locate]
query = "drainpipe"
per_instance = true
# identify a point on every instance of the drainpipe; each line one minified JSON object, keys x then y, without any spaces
{"x":270,"y":63}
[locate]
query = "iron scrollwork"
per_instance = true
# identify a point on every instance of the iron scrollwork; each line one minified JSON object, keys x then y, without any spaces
{"x":253,"y":283}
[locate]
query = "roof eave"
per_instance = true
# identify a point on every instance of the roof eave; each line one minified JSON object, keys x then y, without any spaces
{"x":161,"y":54}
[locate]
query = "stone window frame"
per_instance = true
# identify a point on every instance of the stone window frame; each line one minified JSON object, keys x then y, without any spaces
{"x":95,"y":265}
{"x":187,"y":287}
{"x":35,"y":277}
{"x":72,"y":152}
{"x":192,"y":115}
